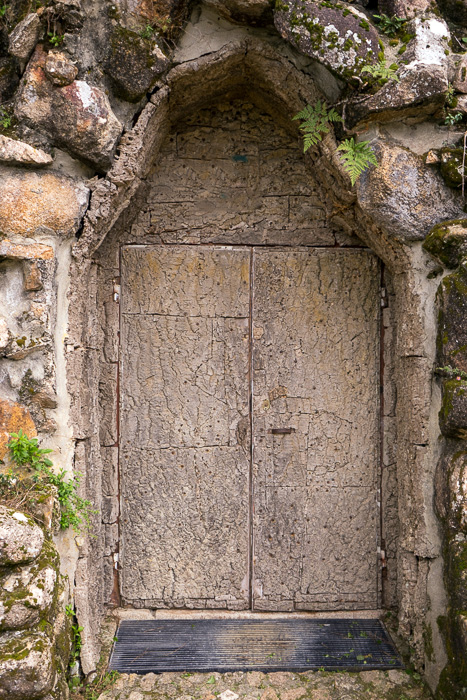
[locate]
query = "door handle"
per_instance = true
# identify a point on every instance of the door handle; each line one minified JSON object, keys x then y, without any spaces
{"x":282,"y":431}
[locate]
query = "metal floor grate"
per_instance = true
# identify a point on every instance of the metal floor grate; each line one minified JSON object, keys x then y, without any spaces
{"x":145,"y":646}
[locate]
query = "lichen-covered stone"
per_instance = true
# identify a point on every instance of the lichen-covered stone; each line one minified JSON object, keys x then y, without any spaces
{"x":453,"y":413}
{"x":403,"y":195}
{"x":21,"y":540}
{"x":28,"y":592}
{"x":451,"y":166}
{"x":77,"y":116}
{"x":133,"y":63}
{"x":20,"y":153}
{"x":452,"y":322}
{"x":335,"y":34}
{"x":14,"y":417}
{"x":447,"y":242}
{"x":27,"y":671}
{"x":31,"y":202}
{"x":25,"y":36}
{"x":460,"y":78}
{"x":59,"y":69}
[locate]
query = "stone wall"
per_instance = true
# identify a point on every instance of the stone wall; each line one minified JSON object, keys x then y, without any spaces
{"x":90,"y":93}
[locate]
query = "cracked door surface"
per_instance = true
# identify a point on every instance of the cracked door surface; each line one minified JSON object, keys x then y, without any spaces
{"x":315,"y":372}
{"x":184,"y":442}
{"x":193,"y":362}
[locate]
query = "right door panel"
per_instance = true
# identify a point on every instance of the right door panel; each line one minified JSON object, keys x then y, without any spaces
{"x":316,"y":373}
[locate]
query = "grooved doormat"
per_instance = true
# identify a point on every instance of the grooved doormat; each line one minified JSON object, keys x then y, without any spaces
{"x":145,"y":646}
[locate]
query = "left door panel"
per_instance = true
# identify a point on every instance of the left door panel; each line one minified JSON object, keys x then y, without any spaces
{"x":184,"y":426}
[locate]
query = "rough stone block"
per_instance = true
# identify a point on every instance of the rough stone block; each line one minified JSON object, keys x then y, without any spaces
{"x":133,"y":63}
{"x":447,"y":242}
{"x":33,"y":201}
{"x":24,"y":37}
{"x":28,"y":592}
{"x":338,"y":36}
{"x":452,"y":324}
{"x":453,"y":413}
{"x":27,"y":671}
{"x":14,"y":417}
{"x":404,"y":196}
{"x":59,"y":69}
{"x":20,"y":153}
{"x":21,"y":540}
{"x":77,"y":116}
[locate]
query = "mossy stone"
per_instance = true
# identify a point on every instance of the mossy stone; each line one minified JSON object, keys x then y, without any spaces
{"x":447,"y":242}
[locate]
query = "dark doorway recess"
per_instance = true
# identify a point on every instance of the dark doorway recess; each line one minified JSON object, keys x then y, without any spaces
{"x":148,"y":646}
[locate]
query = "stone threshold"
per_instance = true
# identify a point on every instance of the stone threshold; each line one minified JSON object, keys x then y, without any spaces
{"x":185,"y":614}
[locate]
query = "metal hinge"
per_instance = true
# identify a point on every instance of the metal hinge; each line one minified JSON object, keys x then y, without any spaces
{"x":384,"y":298}
{"x":116,"y":290}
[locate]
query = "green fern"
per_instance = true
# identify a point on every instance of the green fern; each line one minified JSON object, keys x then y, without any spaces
{"x":316,"y":120}
{"x":356,"y":157}
{"x":381,"y":71}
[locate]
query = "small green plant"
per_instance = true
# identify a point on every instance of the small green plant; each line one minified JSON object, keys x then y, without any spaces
{"x":147,"y":32}
{"x":76,"y":640}
{"x":382,"y":72}
{"x":75,"y":511}
{"x":451,"y":373}
{"x":3,"y":10}
{"x":452,"y":118}
{"x":356,"y":157}
{"x":316,"y":119}
{"x":450,"y":95}
{"x":54,"y":38}
{"x":390,"y":25}
{"x":5,"y":119}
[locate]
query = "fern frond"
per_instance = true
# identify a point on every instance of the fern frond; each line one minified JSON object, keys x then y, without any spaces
{"x":356,"y":157}
{"x":381,"y":71}
{"x":316,"y":120}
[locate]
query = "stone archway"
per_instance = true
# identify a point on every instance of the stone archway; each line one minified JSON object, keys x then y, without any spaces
{"x":252,"y":69}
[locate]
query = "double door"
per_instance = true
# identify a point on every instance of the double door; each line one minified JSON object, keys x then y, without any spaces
{"x":249,"y":427}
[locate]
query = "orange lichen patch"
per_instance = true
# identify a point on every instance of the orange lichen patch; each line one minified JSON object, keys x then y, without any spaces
{"x":14,"y":417}
{"x":30,"y":200}
{"x":18,"y":251}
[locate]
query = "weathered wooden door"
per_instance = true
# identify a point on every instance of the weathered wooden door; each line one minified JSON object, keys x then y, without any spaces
{"x":249,"y":426}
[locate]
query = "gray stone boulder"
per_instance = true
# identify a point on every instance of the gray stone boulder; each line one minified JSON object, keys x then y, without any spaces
{"x":77,"y":116}
{"x":405,"y":8}
{"x":59,"y":69}
{"x":447,"y":242}
{"x":403,"y":195}
{"x":27,"y":670}
{"x":244,"y":11}
{"x":24,"y":37}
{"x":133,"y":63}
{"x":419,"y":94}
{"x":338,"y":36}
{"x":453,"y":413}
{"x":423,"y":80}
{"x":455,"y":10}
{"x":460,"y":78}
{"x":20,"y":153}
{"x":452,"y":327}
{"x":28,"y":592}
{"x":21,"y":540}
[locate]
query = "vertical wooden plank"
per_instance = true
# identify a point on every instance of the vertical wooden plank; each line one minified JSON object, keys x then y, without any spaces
{"x":184,"y":427}
{"x":316,"y":371}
